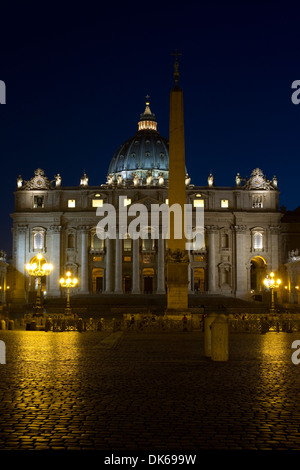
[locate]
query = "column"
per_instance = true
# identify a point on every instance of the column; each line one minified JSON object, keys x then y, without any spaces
{"x":211,"y":230}
{"x":84,"y":275}
{"x":108,"y":267}
{"x":54,"y":259}
{"x":20,"y":260}
{"x":136,"y":266}
{"x":161,"y":266}
{"x":118,"y":266}
{"x":241,"y":286}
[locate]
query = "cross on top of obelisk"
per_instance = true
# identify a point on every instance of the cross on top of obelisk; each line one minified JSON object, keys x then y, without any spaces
{"x":176,"y":65}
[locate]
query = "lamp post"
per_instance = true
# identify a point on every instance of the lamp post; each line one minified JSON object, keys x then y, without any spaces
{"x":272,"y":284}
{"x":38,"y":269}
{"x":68,"y":283}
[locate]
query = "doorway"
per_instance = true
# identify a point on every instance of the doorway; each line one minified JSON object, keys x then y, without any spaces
{"x":258,"y":271}
{"x":148,"y":280}
{"x":97,"y":278}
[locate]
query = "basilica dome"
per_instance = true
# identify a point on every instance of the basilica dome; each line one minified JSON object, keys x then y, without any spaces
{"x":142,"y":159}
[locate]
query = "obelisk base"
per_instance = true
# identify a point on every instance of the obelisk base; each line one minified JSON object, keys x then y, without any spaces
{"x":177,"y":289}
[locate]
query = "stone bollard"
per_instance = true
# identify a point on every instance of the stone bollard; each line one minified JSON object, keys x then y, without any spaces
{"x":11,"y":325}
{"x":207,"y":333}
{"x":219,"y":339}
{"x":2,"y":325}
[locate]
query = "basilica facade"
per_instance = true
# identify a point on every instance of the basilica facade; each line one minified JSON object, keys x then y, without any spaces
{"x":241,"y":243}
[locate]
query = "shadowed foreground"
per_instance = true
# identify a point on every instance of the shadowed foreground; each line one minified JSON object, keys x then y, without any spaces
{"x":147,"y":391}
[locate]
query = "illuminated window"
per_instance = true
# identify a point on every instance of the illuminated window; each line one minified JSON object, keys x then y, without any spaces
{"x":166,"y":201}
{"x":198,"y":203}
{"x":127,"y":259}
{"x":257,"y":201}
{"x":127,"y":202}
{"x":38,"y":240}
{"x":97,"y":202}
{"x":71,"y":203}
{"x":224,"y":203}
{"x":97,"y":258}
{"x":127,"y":243}
{"x":258,"y":241}
{"x":38,"y":202}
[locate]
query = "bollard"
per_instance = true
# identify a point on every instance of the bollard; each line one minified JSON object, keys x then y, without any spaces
{"x":207,"y":333}
{"x":2,"y":325}
{"x":219,"y":339}
{"x":11,"y":325}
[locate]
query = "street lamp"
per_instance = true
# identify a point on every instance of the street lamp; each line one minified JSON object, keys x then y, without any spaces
{"x":38,"y":267}
{"x":68,"y":283}
{"x":272,"y":284}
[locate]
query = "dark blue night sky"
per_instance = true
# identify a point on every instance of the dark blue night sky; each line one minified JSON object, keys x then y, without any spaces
{"x":77,"y":76}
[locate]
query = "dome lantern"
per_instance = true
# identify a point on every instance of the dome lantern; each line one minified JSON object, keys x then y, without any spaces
{"x":147,"y":119}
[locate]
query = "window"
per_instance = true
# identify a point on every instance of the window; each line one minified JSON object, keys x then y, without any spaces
{"x":224,"y":203}
{"x":127,"y":202}
{"x":257,"y":201}
{"x":97,"y":202}
{"x":71,"y":203}
{"x":38,"y":240}
{"x":148,"y":244}
{"x":98,"y":243}
{"x":38,"y":202}
{"x":127,"y":243}
{"x":258,"y":241}
{"x":198,"y":203}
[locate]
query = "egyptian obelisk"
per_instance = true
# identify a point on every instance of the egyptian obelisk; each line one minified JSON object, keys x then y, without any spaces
{"x":177,"y":256}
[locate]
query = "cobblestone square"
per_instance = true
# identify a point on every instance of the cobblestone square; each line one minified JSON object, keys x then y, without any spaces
{"x":131,"y":391}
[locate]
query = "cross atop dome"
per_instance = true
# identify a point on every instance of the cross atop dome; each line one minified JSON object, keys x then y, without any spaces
{"x":147,"y":119}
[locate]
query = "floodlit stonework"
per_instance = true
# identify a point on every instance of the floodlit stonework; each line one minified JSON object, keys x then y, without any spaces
{"x":242,"y":228}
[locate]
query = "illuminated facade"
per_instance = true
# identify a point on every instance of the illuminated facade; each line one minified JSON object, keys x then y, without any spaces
{"x":242,"y":228}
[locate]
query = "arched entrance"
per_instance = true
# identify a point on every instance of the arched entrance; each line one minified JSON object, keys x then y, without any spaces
{"x":258,"y":271}
{"x":97,"y":278}
{"x":148,"y":280}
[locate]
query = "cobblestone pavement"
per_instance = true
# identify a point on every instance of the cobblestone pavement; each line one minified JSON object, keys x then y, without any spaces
{"x":147,"y":391}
